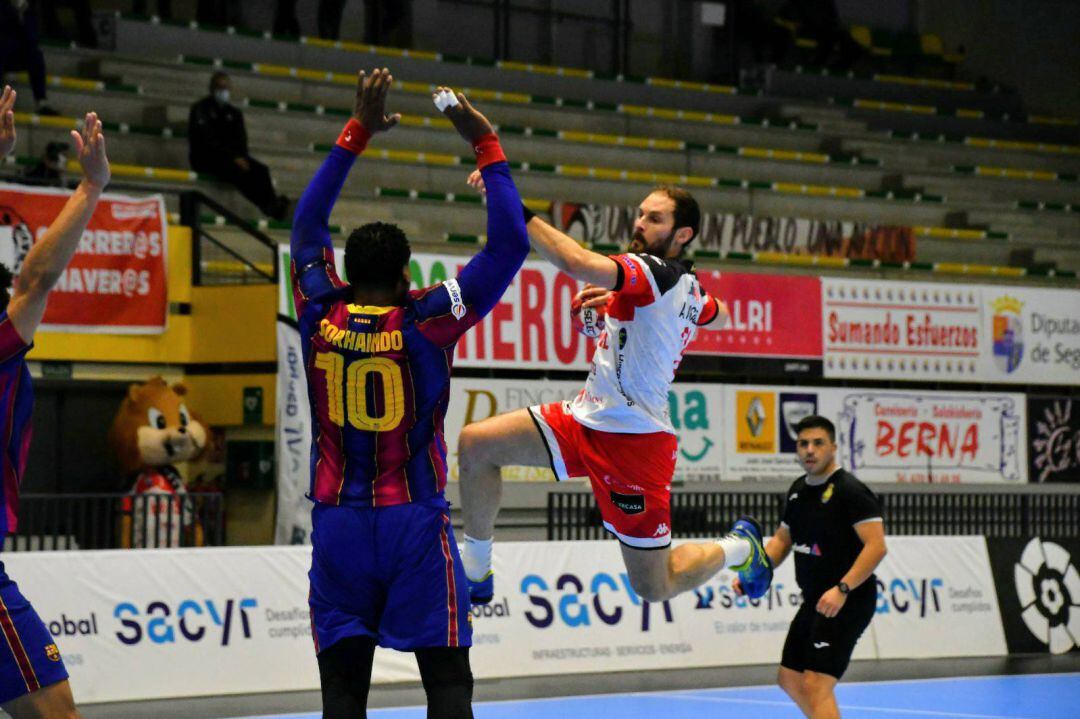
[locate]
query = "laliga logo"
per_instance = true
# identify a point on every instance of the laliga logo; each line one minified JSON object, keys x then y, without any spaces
{"x":1008,"y":334}
{"x":1048,"y":587}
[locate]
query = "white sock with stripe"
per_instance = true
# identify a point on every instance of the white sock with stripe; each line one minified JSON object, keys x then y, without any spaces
{"x":736,"y":549}
{"x":476,"y":558}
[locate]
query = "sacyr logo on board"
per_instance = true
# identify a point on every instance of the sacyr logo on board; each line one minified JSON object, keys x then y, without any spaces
{"x":574,"y":602}
{"x":190,"y":619}
{"x":1008,"y":333}
{"x":1048,"y":587}
{"x":921,"y":596}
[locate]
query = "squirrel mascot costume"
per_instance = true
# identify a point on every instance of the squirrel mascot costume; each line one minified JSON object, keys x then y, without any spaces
{"x":153,"y":429}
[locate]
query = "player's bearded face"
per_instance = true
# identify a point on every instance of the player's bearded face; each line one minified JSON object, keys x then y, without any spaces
{"x":657,"y":245}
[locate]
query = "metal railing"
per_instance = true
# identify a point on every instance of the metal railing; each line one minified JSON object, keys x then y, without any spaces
{"x":574,"y":515}
{"x":245,"y":255}
{"x":52,"y":522}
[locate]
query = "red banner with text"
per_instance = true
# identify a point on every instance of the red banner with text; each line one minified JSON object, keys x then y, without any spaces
{"x":116,"y":282}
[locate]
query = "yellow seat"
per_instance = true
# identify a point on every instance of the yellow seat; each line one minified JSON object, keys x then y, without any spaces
{"x":861,"y":35}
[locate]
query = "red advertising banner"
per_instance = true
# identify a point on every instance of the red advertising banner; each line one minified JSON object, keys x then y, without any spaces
{"x":771,"y":316}
{"x":116,"y":282}
{"x":774,"y":318}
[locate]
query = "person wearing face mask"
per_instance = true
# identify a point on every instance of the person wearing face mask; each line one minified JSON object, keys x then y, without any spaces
{"x":834,"y":524}
{"x":217,"y":146}
{"x":49,"y":170}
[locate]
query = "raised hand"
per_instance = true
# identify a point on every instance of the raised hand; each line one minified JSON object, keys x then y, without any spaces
{"x":592,"y":296}
{"x":7,"y":121}
{"x":468,"y":121}
{"x":476,"y":181}
{"x":369,"y":109}
{"x":90,"y":149}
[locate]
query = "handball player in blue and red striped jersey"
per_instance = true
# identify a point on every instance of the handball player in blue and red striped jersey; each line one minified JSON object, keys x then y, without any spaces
{"x":385,"y":567}
{"x":33,"y":680}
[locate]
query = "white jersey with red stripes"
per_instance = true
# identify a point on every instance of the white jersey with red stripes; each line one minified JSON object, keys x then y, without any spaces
{"x":652,"y":316}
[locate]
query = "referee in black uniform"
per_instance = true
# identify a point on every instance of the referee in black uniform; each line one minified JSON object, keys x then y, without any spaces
{"x":834,"y":523}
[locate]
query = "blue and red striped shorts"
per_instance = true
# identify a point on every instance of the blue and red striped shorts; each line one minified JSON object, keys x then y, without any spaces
{"x":29,"y":658}
{"x":390,"y":573}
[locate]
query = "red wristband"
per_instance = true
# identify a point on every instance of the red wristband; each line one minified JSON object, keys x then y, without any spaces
{"x":488,"y":151}
{"x":354,"y":137}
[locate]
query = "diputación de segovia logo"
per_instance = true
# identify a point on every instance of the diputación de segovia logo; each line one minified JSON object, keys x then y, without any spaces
{"x":1008,"y":333}
{"x":1048,"y":587}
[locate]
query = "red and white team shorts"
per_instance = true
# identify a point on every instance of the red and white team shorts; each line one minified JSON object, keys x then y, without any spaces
{"x":630,"y":473}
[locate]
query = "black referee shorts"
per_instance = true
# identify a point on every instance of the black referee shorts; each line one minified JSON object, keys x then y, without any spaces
{"x":823,"y":645}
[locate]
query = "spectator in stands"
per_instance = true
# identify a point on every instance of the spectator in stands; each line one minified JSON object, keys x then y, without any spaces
{"x":217,"y":142}
{"x":19,"y":47}
{"x":285,"y":22}
{"x":329,"y":18}
{"x":820,"y":21}
{"x":388,"y":23}
{"x":85,"y":34}
{"x":49,"y":170}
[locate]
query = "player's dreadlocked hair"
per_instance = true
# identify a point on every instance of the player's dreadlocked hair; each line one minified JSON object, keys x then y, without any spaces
{"x":687,"y":212}
{"x":6,"y":279}
{"x":375,"y":254}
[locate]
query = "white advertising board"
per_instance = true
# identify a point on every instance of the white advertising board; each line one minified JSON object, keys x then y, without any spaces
{"x":936,"y":598}
{"x":958,"y":333}
{"x":883,"y":435}
{"x":168,"y":623}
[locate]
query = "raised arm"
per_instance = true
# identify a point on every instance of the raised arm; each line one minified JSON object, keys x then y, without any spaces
{"x":50,"y":255}
{"x":310,"y":244}
{"x":560,"y":249}
{"x":485,"y":278}
{"x":490,"y":272}
{"x":567,"y":255}
{"x":7,"y":121}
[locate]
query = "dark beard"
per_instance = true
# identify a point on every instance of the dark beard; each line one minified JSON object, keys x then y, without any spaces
{"x":659,"y":248}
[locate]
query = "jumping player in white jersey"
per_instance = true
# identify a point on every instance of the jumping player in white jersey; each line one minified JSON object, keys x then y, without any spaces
{"x":617,"y":431}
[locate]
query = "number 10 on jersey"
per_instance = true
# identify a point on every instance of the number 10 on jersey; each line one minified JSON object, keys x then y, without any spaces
{"x":347,"y":391}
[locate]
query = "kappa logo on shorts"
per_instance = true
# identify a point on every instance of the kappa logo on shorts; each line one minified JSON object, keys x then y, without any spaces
{"x":629,"y":503}
{"x":661,"y":530}
{"x":53,"y":653}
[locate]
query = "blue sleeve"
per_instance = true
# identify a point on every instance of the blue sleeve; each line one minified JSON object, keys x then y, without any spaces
{"x":314,"y":274}
{"x":451,"y":308}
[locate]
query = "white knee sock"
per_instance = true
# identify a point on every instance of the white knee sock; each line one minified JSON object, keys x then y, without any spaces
{"x":477,"y":558}
{"x":736,"y":550}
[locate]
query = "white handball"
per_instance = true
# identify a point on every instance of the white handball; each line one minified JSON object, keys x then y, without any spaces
{"x":590,"y":321}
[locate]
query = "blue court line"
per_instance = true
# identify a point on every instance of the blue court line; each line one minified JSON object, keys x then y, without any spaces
{"x":1030,"y":696}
